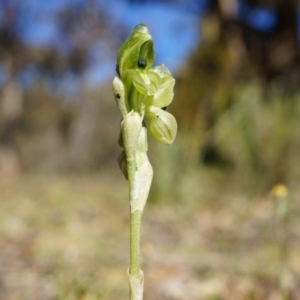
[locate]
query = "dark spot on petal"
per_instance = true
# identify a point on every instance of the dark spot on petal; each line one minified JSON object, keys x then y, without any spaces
{"x":118,"y":96}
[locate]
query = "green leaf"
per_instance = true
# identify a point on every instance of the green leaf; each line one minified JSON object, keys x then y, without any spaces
{"x":163,"y":125}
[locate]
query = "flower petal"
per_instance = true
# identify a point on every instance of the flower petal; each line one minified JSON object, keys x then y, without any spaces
{"x":162,"y":70}
{"x":164,"y":94}
{"x":146,"y":83}
{"x":147,"y":53}
{"x":138,"y":43}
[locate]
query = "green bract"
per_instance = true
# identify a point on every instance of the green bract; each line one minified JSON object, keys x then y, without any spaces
{"x":145,"y":89}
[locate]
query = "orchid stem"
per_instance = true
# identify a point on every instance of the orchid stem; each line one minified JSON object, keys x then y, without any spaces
{"x":135,"y":236}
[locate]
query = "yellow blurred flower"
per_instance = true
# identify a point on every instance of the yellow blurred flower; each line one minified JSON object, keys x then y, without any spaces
{"x":280,"y":190}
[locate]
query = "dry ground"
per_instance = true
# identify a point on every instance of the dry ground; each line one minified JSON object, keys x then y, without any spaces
{"x":66,"y":237}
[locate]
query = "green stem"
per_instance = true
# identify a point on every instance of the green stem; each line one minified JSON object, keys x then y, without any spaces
{"x":135,"y":236}
{"x":135,"y":226}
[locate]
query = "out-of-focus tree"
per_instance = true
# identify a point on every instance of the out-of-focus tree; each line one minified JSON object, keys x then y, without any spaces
{"x":78,"y":26}
{"x":27,"y":68}
{"x":242,"y":42}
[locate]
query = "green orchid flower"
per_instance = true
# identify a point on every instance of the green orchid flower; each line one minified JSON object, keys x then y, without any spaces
{"x":145,"y":89}
{"x":141,"y":91}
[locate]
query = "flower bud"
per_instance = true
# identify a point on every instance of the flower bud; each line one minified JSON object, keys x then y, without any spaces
{"x":163,"y":125}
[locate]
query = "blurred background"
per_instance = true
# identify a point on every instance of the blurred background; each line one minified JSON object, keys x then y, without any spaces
{"x":223,"y":215}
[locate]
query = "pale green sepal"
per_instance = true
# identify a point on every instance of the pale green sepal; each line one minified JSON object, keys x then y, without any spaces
{"x":163,"y":125}
{"x":145,"y":82}
{"x":136,"y":286}
{"x":129,"y":53}
{"x":162,"y":70}
{"x":164,"y":94}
